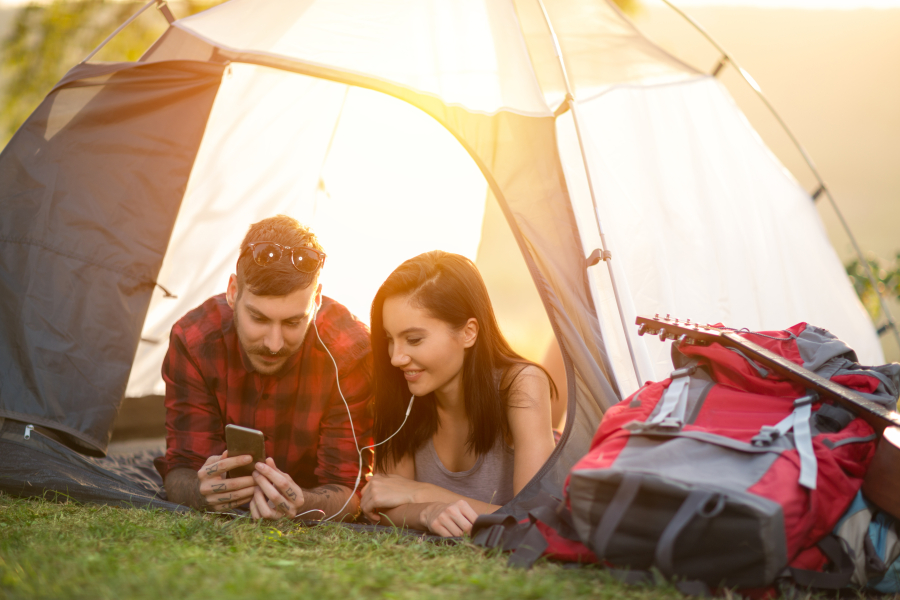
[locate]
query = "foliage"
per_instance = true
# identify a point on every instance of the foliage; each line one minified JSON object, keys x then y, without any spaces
{"x":887,"y":280}
{"x":50,"y":550}
{"x":46,"y":40}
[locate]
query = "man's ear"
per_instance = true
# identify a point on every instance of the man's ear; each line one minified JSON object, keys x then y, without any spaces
{"x":470,"y":332}
{"x":318,"y":297}
{"x":231,"y":292}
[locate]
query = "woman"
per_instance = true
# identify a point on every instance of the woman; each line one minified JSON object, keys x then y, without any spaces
{"x":478,"y":427}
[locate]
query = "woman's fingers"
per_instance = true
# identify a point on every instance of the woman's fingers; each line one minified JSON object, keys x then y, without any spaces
{"x":468,"y":512}
{"x":458,"y":520}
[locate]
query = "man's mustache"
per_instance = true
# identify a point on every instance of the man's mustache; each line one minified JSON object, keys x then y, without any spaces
{"x":263,"y":351}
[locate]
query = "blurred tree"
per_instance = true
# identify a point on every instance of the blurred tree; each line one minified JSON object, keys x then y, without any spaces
{"x":46,"y":40}
{"x":888,"y":283}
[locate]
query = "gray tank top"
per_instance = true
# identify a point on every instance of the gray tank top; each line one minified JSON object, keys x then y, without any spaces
{"x":489,"y":480}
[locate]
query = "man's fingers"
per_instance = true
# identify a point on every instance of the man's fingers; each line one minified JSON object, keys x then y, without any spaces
{"x":262,"y":506}
{"x":224,"y":465}
{"x":230,"y":500}
{"x":281,"y":504}
{"x":222,"y":486}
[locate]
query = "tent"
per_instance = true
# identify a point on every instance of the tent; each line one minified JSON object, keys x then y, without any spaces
{"x":630,"y":181}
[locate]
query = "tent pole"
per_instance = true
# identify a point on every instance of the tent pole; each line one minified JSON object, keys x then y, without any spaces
{"x":605,"y":254}
{"x":120,"y":28}
{"x":726,"y":58}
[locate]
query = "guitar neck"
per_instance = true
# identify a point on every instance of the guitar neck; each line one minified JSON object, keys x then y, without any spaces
{"x":875,"y":414}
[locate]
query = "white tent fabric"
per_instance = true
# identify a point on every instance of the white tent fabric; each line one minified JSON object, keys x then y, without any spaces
{"x":466,"y":52}
{"x":704,"y":224}
{"x":361,"y":152}
{"x":701,"y":219}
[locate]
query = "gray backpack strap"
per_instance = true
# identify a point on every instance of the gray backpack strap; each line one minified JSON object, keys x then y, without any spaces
{"x":694,"y":505}
{"x":612,"y":516}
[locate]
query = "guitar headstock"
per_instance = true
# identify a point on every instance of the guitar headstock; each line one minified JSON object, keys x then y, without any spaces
{"x":668,"y":328}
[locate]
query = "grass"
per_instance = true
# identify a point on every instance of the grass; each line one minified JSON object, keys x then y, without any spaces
{"x":51,"y":550}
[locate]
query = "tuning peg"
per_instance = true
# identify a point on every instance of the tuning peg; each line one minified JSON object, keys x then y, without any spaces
{"x":667,"y":317}
{"x":662,"y":335}
{"x":642,"y":329}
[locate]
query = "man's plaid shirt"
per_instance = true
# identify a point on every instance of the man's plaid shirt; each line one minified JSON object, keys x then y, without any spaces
{"x":210,"y":383}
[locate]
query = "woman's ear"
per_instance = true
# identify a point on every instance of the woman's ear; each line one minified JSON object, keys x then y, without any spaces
{"x":470,"y":332}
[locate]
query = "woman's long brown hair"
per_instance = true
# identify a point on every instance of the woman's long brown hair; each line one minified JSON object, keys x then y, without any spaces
{"x":450,"y":288}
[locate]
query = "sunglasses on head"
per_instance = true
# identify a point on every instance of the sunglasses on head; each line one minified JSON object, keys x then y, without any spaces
{"x":304,"y":259}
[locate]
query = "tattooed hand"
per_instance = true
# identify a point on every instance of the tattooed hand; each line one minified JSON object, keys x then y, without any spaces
{"x":276,"y":495}
{"x":221,"y":493}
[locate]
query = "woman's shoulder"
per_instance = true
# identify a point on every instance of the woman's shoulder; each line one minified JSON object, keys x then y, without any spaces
{"x":526,"y":384}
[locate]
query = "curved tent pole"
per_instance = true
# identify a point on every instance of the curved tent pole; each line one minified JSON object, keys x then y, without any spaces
{"x":727,"y":58}
{"x":160,"y":3}
{"x":605,"y":254}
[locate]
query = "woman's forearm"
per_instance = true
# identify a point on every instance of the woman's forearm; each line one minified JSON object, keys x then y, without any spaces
{"x":428,"y":493}
{"x":405,"y":515}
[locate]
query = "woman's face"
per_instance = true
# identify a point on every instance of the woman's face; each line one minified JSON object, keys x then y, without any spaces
{"x":429,"y":351}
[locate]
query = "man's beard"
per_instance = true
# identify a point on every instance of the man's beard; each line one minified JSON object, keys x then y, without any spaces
{"x":260,"y":349}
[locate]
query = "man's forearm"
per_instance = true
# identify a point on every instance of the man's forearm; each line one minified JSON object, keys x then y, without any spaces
{"x":183,"y":487}
{"x":329,"y":499}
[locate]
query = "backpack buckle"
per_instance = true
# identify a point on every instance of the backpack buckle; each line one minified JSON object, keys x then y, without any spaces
{"x":683,"y":371}
{"x":766,"y":436}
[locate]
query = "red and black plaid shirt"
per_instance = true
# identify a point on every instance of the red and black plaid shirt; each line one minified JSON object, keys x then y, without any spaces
{"x":210,"y":383}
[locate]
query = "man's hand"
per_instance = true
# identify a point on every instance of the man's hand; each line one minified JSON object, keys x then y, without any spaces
{"x":275,"y":494}
{"x":449,"y":520}
{"x":387,"y":491}
{"x":220,"y":493}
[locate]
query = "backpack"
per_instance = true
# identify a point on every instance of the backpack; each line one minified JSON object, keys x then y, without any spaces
{"x":726,"y":473}
{"x":871,"y":536}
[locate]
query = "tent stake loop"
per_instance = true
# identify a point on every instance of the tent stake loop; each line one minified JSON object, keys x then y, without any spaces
{"x":720,"y":65}
{"x":815,"y":195}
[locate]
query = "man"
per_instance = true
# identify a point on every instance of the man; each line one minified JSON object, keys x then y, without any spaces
{"x":250,"y":357}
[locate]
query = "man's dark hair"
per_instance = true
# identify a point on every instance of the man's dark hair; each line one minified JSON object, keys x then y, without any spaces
{"x":279,"y":278}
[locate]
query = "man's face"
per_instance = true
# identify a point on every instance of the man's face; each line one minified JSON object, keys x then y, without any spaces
{"x":271,"y":328}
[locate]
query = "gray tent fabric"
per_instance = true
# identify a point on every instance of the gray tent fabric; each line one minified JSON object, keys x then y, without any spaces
{"x":89,"y":188}
{"x":40,"y":466}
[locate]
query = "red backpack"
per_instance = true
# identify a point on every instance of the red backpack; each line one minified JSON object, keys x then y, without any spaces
{"x":726,"y":473}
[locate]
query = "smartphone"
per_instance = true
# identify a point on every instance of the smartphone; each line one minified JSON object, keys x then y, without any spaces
{"x":243,"y":440}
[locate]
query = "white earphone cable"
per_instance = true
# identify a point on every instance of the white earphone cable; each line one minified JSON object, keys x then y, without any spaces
{"x":337,"y":378}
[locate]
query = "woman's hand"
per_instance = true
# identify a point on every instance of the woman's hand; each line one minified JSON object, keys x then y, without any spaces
{"x":387,"y":491}
{"x":449,"y":519}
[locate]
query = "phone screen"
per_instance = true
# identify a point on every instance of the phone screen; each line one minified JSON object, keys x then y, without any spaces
{"x":243,"y":440}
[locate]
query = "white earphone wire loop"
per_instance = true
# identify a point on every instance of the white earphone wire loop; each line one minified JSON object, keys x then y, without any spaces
{"x":337,"y":378}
